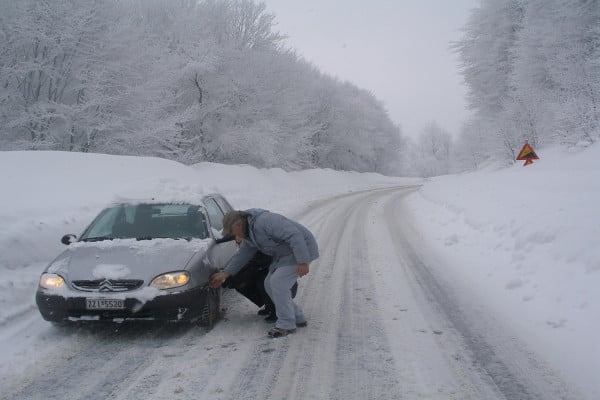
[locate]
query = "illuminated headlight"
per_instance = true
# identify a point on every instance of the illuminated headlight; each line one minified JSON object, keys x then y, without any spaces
{"x":170,"y":280}
{"x":51,"y":281}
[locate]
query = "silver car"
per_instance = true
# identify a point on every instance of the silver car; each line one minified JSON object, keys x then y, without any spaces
{"x":140,"y":260}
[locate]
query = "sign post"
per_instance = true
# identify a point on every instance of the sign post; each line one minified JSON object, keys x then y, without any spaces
{"x":527,"y":154}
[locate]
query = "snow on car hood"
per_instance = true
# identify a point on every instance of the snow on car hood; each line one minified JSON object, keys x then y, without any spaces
{"x":125,"y":258}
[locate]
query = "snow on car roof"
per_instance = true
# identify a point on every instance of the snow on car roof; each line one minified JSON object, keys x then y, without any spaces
{"x":133,"y":202}
{"x":164,"y":191}
{"x":161,"y":199}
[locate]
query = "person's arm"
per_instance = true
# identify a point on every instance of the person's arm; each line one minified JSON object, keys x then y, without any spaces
{"x":235,"y":264}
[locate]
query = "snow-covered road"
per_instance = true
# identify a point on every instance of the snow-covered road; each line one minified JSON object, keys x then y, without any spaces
{"x":382,"y":325}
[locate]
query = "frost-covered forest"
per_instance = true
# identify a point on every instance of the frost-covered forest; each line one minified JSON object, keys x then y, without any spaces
{"x":186,"y":80}
{"x":532,"y":68}
{"x":211,"y":80}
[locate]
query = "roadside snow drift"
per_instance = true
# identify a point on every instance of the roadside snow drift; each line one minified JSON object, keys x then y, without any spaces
{"x":519,"y":243}
{"x":524,"y":242}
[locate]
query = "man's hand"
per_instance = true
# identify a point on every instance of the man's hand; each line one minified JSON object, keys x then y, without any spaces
{"x":217,"y":279}
{"x":302,"y":269}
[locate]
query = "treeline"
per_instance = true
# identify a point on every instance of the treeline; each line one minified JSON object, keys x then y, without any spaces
{"x":186,"y":80}
{"x":532,"y":68}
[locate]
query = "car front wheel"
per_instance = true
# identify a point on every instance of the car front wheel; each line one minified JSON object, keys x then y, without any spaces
{"x":210,"y":311}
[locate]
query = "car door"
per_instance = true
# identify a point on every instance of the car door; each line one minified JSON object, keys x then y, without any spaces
{"x":222,"y":252}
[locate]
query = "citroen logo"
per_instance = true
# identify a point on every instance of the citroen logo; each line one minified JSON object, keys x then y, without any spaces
{"x":105,"y":286}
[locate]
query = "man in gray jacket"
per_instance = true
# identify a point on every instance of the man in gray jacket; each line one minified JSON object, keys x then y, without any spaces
{"x":292,"y":247}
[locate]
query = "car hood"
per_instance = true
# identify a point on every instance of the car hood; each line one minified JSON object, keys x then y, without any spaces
{"x":125,"y":258}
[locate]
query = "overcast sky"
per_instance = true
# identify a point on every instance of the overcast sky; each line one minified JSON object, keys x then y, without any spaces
{"x":397,"y":49}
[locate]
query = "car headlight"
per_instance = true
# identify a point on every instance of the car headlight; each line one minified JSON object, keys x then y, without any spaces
{"x":51,"y":281}
{"x":170,"y":280}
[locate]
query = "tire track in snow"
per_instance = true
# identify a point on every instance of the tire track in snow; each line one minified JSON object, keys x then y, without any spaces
{"x":107,"y":361}
{"x":364,"y":365}
{"x":510,"y":381}
{"x":343,"y":354}
{"x":264,"y":368}
{"x":136,"y":363}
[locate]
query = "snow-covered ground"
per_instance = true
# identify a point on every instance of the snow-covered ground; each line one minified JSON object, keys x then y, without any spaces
{"x":518,"y":245}
{"x":524,"y":242}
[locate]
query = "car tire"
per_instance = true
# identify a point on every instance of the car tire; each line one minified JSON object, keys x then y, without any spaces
{"x":210,"y":310}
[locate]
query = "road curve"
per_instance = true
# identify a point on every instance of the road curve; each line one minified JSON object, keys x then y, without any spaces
{"x":381,"y":326}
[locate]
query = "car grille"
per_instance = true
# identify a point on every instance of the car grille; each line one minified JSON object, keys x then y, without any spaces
{"x":107,"y":285}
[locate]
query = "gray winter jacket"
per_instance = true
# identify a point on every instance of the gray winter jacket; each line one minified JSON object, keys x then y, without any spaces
{"x":288,"y":242}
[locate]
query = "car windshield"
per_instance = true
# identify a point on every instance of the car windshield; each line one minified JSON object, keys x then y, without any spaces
{"x":148,"y":221}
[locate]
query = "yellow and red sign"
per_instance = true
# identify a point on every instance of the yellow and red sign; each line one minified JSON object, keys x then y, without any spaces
{"x":527,"y":154}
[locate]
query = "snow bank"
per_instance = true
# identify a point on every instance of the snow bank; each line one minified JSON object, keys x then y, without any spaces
{"x":523,"y":241}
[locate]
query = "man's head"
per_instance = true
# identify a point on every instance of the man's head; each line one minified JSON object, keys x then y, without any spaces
{"x":233,"y":223}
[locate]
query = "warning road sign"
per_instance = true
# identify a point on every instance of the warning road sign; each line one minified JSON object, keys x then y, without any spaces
{"x":527,"y":154}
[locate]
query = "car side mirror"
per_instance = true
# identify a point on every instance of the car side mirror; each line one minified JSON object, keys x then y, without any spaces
{"x":68,"y":239}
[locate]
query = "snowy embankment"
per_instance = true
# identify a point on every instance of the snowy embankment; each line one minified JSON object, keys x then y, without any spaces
{"x":523,"y":244}
{"x":519,"y":243}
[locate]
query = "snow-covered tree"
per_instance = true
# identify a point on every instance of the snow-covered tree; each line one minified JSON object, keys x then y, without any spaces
{"x":432,"y":151}
{"x":532,"y":70}
{"x":189,"y":80}
{"x":557,"y":74}
{"x":485,"y":52}
{"x":47,"y":50}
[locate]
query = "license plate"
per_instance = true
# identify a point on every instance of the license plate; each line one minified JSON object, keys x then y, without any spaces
{"x":104,"y":304}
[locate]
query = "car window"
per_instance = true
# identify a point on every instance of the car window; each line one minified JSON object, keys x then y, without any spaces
{"x":147,"y":221}
{"x":102,"y":225}
{"x":167,"y":221}
{"x":225,"y":207}
{"x":128,"y":214}
{"x":214,"y":214}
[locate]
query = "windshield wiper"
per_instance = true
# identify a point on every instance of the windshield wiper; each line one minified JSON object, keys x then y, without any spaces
{"x":97,"y":239}
{"x":188,"y":238}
